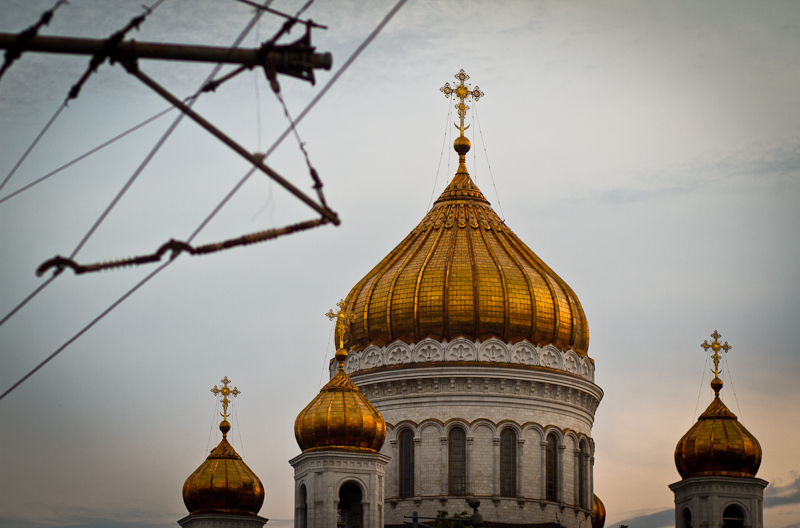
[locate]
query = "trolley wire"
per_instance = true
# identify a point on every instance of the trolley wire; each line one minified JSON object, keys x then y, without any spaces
{"x":239,"y":184}
{"x":138,"y":171}
{"x":94,"y":63}
{"x":14,"y":53}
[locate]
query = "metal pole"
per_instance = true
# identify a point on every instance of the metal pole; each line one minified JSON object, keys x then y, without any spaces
{"x":286,"y":59}
{"x":252,"y":158}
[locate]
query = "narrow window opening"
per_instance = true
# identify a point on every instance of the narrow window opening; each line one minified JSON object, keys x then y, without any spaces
{"x":508,"y":463}
{"x":457,"y":461}
{"x":406,"y":464}
{"x":551,"y":477}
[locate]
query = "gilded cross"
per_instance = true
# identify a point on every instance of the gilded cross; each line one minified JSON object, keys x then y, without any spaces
{"x":716,"y":347}
{"x":225,"y":391}
{"x":343,"y":319}
{"x":463,"y":92}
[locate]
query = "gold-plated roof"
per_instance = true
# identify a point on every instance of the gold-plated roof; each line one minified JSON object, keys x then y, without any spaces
{"x":717,"y":444}
{"x":223,"y":483}
{"x":599,"y":512}
{"x":340,"y":418}
{"x":463,"y":272}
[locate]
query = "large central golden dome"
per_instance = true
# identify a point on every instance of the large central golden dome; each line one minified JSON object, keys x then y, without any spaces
{"x":463,"y":273}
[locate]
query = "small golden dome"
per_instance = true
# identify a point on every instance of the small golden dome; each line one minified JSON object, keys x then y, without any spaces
{"x":340,"y":418}
{"x":463,"y":273}
{"x":223,"y":483}
{"x":599,"y":512}
{"x":718,"y":444}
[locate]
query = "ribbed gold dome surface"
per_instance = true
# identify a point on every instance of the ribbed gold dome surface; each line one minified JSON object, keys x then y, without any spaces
{"x":463,"y":272}
{"x":340,"y":418}
{"x":718,"y":444}
{"x":599,"y":512}
{"x":223,"y":483}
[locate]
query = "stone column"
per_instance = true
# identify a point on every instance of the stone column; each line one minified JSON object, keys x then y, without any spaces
{"x":444,"y":471}
{"x":470,"y":440}
{"x":520,"y":466}
{"x":543,"y":471}
{"x":560,"y":473}
{"x":417,"y":468}
{"x":496,"y":466}
{"x":393,"y":476}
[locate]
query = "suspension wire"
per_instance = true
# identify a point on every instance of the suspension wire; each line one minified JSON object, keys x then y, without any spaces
{"x":700,"y":390}
{"x":307,"y":109}
{"x":258,"y":95}
{"x":210,"y":431}
{"x":325,"y":355}
{"x":480,"y":130}
{"x":94,"y":63}
{"x":290,"y":18}
{"x":141,"y":167}
{"x":32,"y":145}
{"x":29,"y":297}
{"x":239,"y":429}
{"x":725,"y":360}
{"x":444,"y":142}
{"x":14,"y":53}
{"x":241,"y":182}
{"x":89,"y":153}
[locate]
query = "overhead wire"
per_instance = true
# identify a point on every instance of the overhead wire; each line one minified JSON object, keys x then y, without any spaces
{"x":141,"y":167}
{"x":239,"y":184}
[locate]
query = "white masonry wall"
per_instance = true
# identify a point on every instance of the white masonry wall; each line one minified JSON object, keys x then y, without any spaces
{"x":483,"y":398}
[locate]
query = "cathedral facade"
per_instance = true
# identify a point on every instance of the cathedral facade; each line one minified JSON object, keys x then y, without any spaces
{"x":475,"y":353}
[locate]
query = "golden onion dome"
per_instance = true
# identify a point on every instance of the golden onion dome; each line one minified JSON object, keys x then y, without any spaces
{"x":599,"y":513}
{"x":340,"y":418}
{"x":463,"y":273}
{"x":223,"y":483}
{"x":718,"y":444}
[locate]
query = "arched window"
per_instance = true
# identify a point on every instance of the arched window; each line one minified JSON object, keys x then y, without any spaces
{"x":350,"y":509}
{"x":457,"y":461}
{"x":551,"y":468}
{"x":508,"y":463}
{"x":686,"y":518}
{"x":733,"y":517}
{"x":406,"y":464}
{"x":583,"y":475}
{"x":302,"y":508}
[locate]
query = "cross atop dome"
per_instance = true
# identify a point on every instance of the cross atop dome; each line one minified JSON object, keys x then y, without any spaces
{"x":343,"y":319}
{"x":716,"y":346}
{"x":463,"y":92}
{"x":225,"y":391}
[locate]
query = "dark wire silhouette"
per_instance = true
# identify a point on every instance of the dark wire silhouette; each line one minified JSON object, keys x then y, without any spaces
{"x":138,"y":171}
{"x":241,"y":182}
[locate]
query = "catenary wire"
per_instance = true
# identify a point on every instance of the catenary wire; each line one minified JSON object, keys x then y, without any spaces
{"x":241,"y":182}
{"x":88,"y":153}
{"x":94,"y":63}
{"x":141,"y":167}
{"x":480,"y":131}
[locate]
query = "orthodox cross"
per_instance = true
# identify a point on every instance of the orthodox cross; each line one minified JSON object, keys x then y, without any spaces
{"x":463,"y":92}
{"x":343,"y":319}
{"x":225,"y":391}
{"x":716,"y":347}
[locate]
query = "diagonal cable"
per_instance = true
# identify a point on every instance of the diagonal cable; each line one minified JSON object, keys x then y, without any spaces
{"x":241,"y":182}
{"x":141,"y":167}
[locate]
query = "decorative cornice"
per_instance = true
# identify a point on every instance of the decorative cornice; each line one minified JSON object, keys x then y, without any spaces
{"x":460,"y":350}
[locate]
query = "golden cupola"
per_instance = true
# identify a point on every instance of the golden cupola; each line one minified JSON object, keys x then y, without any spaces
{"x":717,"y":444}
{"x":340,"y":418}
{"x":463,"y":273}
{"x":223,"y":483}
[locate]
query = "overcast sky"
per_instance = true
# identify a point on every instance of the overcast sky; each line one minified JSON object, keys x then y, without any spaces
{"x":648,"y":152}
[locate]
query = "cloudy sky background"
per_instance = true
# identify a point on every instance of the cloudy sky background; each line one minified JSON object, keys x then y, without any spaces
{"x":649,"y":153}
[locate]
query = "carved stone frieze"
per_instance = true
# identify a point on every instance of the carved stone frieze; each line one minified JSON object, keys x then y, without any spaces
{"x":461,"y":349}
